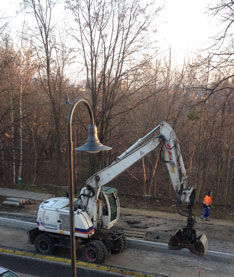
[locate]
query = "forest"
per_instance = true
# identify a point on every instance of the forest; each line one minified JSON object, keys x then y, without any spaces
{"x":105,"y":52}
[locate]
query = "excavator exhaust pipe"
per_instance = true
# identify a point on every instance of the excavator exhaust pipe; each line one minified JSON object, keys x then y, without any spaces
{"x":197,"y":246}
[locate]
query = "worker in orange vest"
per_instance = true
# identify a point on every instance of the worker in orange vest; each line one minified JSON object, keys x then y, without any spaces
{"x":207,"y":202}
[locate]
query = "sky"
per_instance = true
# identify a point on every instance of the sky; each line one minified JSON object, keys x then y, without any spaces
{"x":184,"y":27}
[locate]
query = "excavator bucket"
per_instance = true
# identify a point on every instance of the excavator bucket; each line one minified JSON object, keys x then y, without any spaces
{"x":196,"y":245}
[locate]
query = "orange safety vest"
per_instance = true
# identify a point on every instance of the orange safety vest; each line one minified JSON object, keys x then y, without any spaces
{"x":207,"y":200}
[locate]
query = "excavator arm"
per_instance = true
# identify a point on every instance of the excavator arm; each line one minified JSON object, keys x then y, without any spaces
{"x":165,"y":136}
{"x":171,"y":156}
{"x":107,"y":174}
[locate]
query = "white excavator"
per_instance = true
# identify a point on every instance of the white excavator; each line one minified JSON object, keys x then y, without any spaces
{"x":97,"y":209}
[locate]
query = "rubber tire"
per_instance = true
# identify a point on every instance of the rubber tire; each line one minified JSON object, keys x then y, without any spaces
{"x":93,"y":253}
{"x":119,"y":245}
{"x":44,"y":244}
{"x":104,"y":249}
{"x":125,"y":242}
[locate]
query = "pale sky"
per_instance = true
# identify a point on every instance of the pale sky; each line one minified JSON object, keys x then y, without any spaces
{"x":184,"y":26}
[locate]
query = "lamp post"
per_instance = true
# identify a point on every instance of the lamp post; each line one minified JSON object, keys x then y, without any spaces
{"x":92,"y":145}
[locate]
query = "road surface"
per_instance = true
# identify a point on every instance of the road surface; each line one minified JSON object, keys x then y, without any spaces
{"x":219,"y":261}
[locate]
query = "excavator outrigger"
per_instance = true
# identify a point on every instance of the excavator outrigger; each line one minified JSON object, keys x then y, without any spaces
{"x":97,"y":210}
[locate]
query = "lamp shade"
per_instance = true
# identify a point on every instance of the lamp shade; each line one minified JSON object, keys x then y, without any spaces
{"x":93,"y":145}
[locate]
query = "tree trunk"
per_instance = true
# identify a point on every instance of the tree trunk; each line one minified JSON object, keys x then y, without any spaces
{"x":144,"y":176}
{"x":13,"y":138}
{"x":152,"y":177}
{"x":35,"y":156}
{"x":20,"y":123}
{"x":228,"y":171}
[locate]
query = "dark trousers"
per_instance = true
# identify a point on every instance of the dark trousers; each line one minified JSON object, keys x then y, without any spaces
{"x":206,"y":211}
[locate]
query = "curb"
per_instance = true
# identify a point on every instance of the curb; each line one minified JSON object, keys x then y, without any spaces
{"x":54,"y":262}
{"x":163,"y":247}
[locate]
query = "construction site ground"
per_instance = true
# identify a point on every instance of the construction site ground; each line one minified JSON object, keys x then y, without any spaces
{"x":153,"y":219}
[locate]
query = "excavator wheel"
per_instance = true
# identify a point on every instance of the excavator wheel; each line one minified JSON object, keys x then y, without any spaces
{"x":125,"y":242}
{"x":104,"y":249}
{"x":198,"y":245}
{"x":93,"y":253}
{"x":44,"y":244}
{"x":119,"y":244}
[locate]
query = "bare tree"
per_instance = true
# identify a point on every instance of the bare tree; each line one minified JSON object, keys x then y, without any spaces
{"x":219,"y":61}
{"x":112,"y":38}
{"x":52,"y":59}
{"x":223,"y":11}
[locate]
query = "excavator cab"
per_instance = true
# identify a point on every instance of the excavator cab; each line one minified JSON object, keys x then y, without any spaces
{"x":110,"y":207}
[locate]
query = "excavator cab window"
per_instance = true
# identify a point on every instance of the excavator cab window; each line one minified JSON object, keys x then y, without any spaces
{"x":104,"y":205}
{"x":111,"y":204}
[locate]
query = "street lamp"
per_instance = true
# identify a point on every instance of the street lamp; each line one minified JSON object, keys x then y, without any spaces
{"x":92,"y":145}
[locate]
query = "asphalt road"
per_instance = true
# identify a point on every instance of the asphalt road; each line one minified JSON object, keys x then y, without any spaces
{"x":150,"y":258}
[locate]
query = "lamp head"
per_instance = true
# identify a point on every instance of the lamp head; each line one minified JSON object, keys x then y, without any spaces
{"x":93,"y":145}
